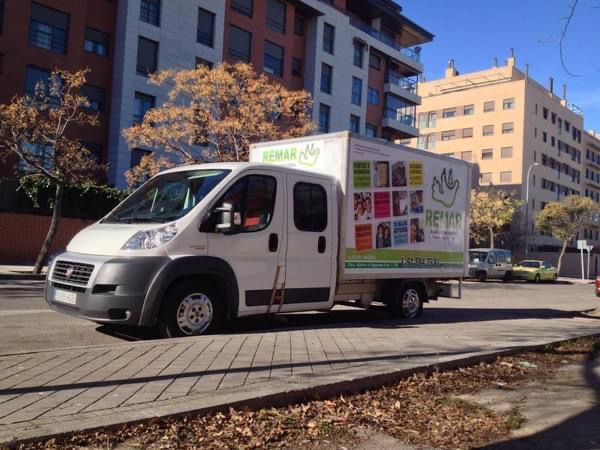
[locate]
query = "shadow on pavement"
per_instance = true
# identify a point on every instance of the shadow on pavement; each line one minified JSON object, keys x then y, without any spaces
{"x":581,"y":432}
{"x":373,"y":317}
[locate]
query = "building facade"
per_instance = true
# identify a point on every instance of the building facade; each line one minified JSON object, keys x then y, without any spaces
{"x":510,"y":126}
{"x":38,"y":36}
{"x":358,"y":58}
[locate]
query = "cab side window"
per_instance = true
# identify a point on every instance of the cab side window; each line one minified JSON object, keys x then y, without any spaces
{"x":253,"y":198}
{"x":310,"y":207}
{"x":492,"y":258}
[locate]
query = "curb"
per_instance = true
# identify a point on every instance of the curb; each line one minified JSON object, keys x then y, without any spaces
{"x":298,"y":390}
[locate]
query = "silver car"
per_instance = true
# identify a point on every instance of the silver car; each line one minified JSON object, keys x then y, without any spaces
{"x":493,"y":263}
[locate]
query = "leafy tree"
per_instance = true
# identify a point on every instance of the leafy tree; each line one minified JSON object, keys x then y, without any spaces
{"x":565,"y":219}
{"x":214,"y":115}
{"x":37,"y":130}
{"x":490,"y":211}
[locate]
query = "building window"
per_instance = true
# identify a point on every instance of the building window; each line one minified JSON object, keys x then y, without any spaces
{"x":359,"y":51}
{"x":467,"y":132}
{"x":96,"y":42}
{"x":506,"y":152}
{"x":142,"y":104}
{"x":328,"y":38}
{"x":273,"y":59}
{"x":469,"y":110}
{"x":296,"y":67}
{"x":43,"y":154}
{"x":354,"y":123}
{"x":48,"y":28}
{"x":372,"y":96}
{"x":505,"y":177}
{"x":507,"y":128}
{"x":33,"y":76}
{"x":203,"y":62}
{"x":432,"y":120}
{"x":544,"y":136}
{"x":276,"y":10}
{"x":489,"y":106}
{"x":150,"y":11}
{"x":422,"y":119}
{"x":310,"y":207}
{"x":535,"y":132}
{"x":567,"y":126}
{"x":545,"y":113}
{"x":449,"y":112}
{"x":487,"y":154}
{"x":553,"y":118}
{"x":326,"y":78}
{"x":486,"y":178}
{"x":356,"y":91}
{"x":552,"y":141}
{"x":374,"y":61}
{"x":371,"y":130}
{"x":488,"y":130}
{"x":240,"y":42}
{"x":298,"y":25}
{"x":95,"y":95}
{"x":466,"y":156}
{"x":243,"y":6}
{"x":94,"y":149}
{"x":448,"y":135}
{"x":324,"y":111}
{"x":508,"y":103}
{"x":206,"y":28}
{"x":136,"y":156}
{"x":147,"y":56}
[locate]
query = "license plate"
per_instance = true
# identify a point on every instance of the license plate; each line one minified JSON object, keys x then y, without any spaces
{"x":65,"y":297}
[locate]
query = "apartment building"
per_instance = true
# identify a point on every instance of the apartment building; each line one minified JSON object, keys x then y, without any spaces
{"x":509,"y":125}
{"x":37,"y":36}
{"x":591,"y":176}
{"x":360,"y":59}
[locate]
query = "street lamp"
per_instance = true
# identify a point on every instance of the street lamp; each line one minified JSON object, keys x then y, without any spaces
{"x":527,"y":207}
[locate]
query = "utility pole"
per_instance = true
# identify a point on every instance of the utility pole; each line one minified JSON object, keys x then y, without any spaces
{"x":531,"y":166}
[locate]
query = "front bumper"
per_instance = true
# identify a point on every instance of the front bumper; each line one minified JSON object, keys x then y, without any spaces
{"x":114,"y":292}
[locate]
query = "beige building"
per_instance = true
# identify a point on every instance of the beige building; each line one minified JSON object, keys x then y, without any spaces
{"x":507,"y":124}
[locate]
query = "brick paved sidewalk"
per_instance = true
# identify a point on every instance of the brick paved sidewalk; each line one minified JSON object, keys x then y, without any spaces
{"x":55,"y":391}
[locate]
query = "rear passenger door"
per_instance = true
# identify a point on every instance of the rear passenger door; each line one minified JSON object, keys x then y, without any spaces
{"x":311,"y":247}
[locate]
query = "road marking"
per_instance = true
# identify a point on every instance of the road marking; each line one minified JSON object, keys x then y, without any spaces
{"x":19,"y":312}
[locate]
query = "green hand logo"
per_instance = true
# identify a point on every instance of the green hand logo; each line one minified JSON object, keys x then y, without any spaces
{"x":309,"y":156}
{"x":445,"y":189}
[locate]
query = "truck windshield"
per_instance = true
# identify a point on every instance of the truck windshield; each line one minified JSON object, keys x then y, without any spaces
{"x":166,"y":197}
{"x":477,"y":256}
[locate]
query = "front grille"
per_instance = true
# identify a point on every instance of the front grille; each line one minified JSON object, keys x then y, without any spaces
{"x":72,"y":272}
{"x":68,"y":287}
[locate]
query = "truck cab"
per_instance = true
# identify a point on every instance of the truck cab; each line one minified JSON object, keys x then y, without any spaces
{"x":199,"y":244}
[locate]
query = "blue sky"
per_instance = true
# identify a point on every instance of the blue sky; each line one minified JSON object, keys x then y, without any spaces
{"x":473,"y":32}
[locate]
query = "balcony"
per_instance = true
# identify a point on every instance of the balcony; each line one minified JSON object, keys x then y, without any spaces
{"x":401,"y":120}
{"x":413,"y":54}
{"x":401,"y":86}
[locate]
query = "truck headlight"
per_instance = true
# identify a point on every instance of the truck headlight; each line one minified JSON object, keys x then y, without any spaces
{"x":145,"y":240}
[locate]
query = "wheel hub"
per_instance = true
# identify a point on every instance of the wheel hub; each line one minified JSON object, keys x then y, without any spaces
{"x":195,"y":313}
{"x":410,"y":303}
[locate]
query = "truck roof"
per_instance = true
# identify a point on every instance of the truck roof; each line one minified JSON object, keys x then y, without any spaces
{"x":241,"y":166}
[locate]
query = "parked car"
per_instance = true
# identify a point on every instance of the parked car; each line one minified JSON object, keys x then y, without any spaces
{"x":597,"y":285}
{"x":487,"y":263}
{"x":534,"y":270}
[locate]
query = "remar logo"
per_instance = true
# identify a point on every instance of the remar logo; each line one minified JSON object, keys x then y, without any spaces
{"x":309,"y":156}
{"x":445,"y":189}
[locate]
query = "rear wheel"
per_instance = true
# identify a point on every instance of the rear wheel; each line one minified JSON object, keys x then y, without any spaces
{"x":507,"y":276}
{"x":190,"y":309}
{"x":408,"y":301}
{"x":482,"y":276}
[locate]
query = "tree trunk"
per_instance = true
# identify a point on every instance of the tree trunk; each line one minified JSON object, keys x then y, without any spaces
{"x":560,"y":257}
{"x":58,"y":198}
{"x":491,"y":238}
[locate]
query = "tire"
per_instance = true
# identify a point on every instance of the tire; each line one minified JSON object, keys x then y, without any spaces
{"x":190,"y":309}
{"x":408,"y":301}
{"x":537,"y":278}
{"x":507,"y":277}
{"x":482,"y":276}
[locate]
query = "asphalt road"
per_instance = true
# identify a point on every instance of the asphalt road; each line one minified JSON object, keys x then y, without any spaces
{"x":27,"y":323}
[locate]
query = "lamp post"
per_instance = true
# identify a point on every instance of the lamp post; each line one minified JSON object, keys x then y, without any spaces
{"x":532,"y":165}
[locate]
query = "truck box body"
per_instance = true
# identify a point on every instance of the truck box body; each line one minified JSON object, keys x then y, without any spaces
{"x":404,"y":212}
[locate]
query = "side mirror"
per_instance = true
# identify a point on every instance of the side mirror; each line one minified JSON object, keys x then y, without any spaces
{"x":226,"y":223}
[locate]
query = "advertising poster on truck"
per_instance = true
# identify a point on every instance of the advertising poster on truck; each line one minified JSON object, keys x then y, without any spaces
{"x":407,"y":211}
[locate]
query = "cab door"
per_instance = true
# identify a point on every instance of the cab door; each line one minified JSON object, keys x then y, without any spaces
{"x":255,"y":248}
{"x":311,"y":243}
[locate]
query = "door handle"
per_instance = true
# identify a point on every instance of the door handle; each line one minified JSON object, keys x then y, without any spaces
{"x":322,"y":244}
{"x":273,"y":242}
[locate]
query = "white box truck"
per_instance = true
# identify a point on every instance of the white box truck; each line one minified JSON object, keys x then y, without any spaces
{"x":306,"y":223}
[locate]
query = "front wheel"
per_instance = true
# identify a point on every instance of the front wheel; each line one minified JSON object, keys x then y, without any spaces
{"x":507,"y":277}
{"x":408,"y":303}
{"x":190,"y":309}
{"x":482,"y":276}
